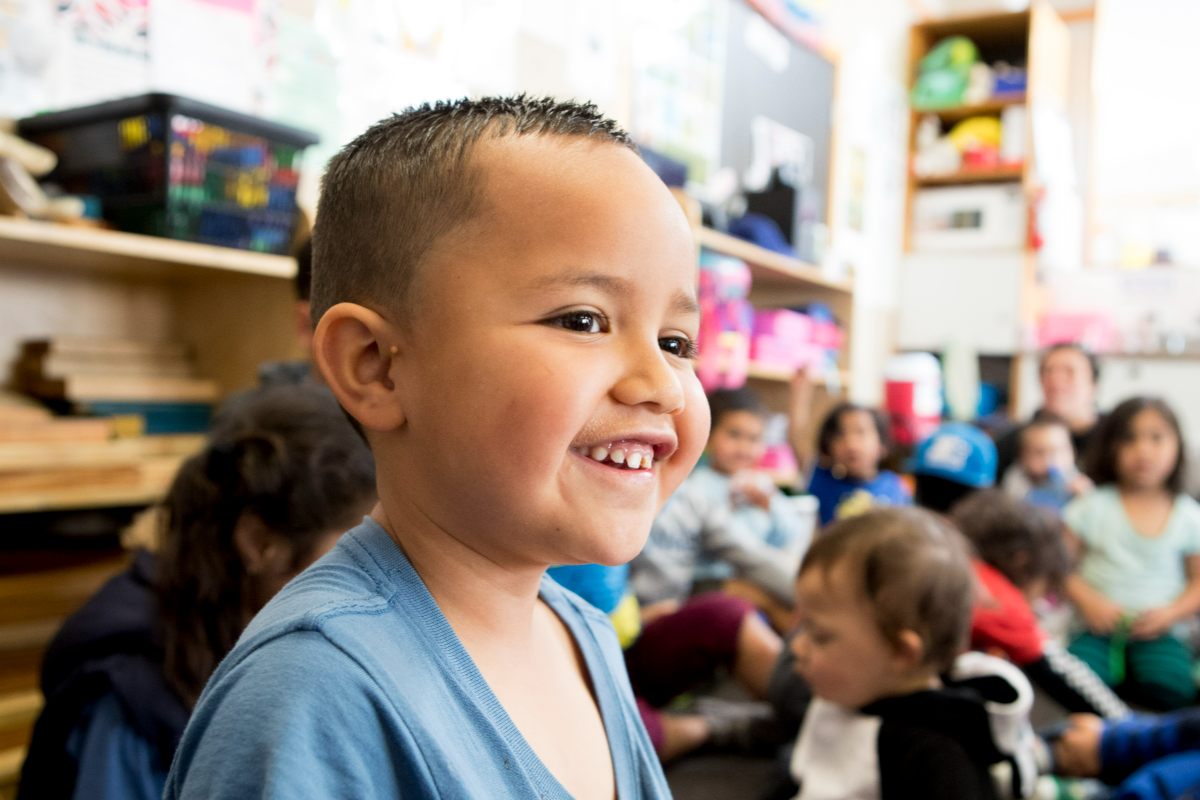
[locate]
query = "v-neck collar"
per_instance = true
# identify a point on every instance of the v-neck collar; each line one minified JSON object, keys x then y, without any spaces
{"x":451,"y":648}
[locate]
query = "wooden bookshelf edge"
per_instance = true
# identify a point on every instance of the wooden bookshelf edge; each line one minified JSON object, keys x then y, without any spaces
{"x":780,"y":265}
{"x":52,"y":244}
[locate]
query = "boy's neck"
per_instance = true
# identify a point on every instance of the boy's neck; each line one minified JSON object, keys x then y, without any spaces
{"x":482,"y":599}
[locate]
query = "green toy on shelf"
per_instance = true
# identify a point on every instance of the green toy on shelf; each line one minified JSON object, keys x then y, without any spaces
{"x":945,"y":74}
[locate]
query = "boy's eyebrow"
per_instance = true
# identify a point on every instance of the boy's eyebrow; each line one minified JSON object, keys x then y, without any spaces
{"x":683,"y":302}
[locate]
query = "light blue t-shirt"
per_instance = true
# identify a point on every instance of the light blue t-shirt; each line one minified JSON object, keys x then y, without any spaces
{"x":1134,"y":571}
{"x":351,"y":683}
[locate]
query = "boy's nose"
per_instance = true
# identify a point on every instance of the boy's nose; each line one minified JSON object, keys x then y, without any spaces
{"x":648,"y":378}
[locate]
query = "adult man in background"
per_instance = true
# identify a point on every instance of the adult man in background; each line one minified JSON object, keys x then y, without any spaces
{"x":1068,"y":375}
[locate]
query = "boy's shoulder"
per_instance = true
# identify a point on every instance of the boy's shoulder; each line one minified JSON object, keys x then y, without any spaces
{"x":364,"y":596}
{"x":352,"y":681}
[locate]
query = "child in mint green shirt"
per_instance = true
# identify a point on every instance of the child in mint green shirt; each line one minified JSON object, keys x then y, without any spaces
{"x":1139,"y":568}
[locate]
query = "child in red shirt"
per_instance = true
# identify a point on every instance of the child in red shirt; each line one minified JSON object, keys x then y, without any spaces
{"x":1020,"y":557}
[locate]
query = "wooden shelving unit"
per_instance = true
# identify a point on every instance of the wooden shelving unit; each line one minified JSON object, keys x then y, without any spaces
{"x":777,"y":282}
{"x":1038,"y":39}
{"x":127,"y":255}
{"x":969,"y":176}
{"x":233,"y":307}
{"x":991,"y":108}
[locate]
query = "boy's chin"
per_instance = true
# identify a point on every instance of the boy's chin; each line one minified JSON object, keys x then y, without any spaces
{"x":611,"y":548}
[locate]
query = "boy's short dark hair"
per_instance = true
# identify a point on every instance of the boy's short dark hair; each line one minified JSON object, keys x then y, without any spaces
{"x":303,"y":280}
{"x":727,"y":401}
{"x":409,"y":180}
{"x":912,"y":568}
{"x":1115,"y":429}
{"x":1023,"y":542}
{"x":831,"y":427}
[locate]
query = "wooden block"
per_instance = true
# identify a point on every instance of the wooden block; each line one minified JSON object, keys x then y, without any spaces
{"x":20,"y":708}
{"x":90,"y":346}
{"x":157,"y":472}
{"x":10,"y":771}
{"x":56,"y":430}
{"x":51,"y":480}
{"x":17,"y":408}
{"x":16,"y":456}
{"x":83,"y":388}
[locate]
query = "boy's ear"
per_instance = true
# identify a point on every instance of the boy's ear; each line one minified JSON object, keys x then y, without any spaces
{"x":908,"y":650}
{"x":355,"y":348}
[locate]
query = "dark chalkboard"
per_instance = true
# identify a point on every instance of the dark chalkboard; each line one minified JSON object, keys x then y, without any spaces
{"x":800,"y":97}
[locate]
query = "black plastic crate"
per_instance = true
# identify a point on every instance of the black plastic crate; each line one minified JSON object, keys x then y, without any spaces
{"x":169,"y":166}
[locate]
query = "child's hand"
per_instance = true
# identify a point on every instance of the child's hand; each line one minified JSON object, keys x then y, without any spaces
{"x":660,"y":609}
{"x":758,"y":497}
{"x":1077,"y":751}
{"x":1101,"y":615}
{"x":1080,"y":484}
{"x":1152,"y":623}
{"x":752,"y":486}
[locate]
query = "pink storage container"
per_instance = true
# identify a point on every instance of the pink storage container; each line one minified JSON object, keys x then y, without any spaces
{"x":783,"y":340}
{"x":1094,"y":332}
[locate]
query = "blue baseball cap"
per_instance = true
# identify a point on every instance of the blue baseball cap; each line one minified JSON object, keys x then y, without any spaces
{"x":958,"y":452}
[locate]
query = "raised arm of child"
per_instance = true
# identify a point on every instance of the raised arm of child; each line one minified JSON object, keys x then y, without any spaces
{"x":1155,"y":622}
{"x":800,"y":431}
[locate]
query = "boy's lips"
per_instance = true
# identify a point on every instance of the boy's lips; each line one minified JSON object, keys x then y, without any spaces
{"x":634,"y":451}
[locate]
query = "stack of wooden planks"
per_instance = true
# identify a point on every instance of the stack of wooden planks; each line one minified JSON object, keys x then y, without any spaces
{"x":52,"y":463}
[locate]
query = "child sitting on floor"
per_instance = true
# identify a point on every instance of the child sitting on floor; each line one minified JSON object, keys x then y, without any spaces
{"x":725,"y":520}
{"x":885,"y":604}
{"x":282,"y":477}
{"x":1045,"y":472}
{"x":846,"y":474}
{"x":679,"y":650}
{"x":952,"y":464}
{"x":1139,"y":566}
{"x":1145,"y":757}
{"x":507,"y":306}
{"x":1020,"y":557}
{"x":734,"y":449}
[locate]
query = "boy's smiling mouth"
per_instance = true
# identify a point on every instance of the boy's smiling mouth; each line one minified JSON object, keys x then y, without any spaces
{"x":637,"y":454}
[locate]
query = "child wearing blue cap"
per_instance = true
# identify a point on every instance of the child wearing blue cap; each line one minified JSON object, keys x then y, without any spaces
{"x":951,"y":464}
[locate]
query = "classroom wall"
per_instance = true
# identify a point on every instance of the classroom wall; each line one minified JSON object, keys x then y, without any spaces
{"x":334,"y":67}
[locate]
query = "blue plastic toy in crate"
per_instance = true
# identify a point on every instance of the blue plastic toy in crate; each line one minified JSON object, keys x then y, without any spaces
{"x":169,"y":166}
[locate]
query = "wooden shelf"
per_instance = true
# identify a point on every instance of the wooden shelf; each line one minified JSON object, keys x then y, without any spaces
{"x":157,"y":473}
{"x":65,"y":247}
{"x":994,"y":106}
{"x":999,"y":175}
{"x":766,"y":264}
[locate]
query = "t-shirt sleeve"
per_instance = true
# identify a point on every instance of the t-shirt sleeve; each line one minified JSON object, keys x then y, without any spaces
{"x":1191,"y":526}
{"x":916,"y":764}
{"x":1077,"y":516}
{"x":296,"y":718}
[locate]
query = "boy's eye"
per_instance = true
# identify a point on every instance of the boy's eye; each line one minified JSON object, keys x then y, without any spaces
{"x":580,"y":322}
{"x":679,"y":346}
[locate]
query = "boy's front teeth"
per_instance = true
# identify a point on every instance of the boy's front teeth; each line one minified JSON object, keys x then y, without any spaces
{"x":630,"y":455}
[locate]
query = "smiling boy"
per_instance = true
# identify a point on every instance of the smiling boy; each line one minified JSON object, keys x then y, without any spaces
{"x":506,"y":304}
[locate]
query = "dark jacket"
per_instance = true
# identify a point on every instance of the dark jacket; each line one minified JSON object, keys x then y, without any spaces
{"x":112,"y":644}
{"x":929,"y":745}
